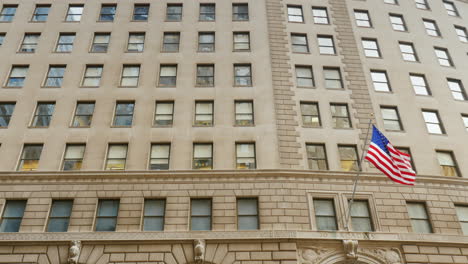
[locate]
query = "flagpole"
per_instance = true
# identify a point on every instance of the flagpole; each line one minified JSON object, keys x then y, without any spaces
{"x":356,"y":178}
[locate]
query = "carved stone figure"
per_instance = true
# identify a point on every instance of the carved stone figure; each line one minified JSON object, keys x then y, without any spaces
{"x":199,"y":250}
{"x":312,"y":255}
{"x":74,"y":252}
{"x":386,"y":255}
{"x":350,"y":249}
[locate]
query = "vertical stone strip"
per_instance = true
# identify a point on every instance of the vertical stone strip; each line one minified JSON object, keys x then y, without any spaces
{"x":355,"y":76}
{"x":286,"y":118}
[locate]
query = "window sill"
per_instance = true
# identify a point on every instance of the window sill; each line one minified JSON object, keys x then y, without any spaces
{"x":326,"y":54}
{"x":89,"y":86}
{"x":163,"y":51}
{"x":253,"y":125}
{"x":39,"y":22}
{"x":97,"y":52}
{"x":120,"y":126}
{"x":241,"y":50}
{"x":306,"y":126}
{"x":79,"y":126}
{"x":3,"y":127}
{"x":51,"y":87}
{"x":198,"y":51}
{"x":165,"y":86}
{"x":22,"y":52}
{"x":65,"y":21}
{"x":434,"y":134}
{"x":296,"y":22}
{"x":132,"y":20}
{"x":105,"y":21}
{"x":295,"y":52}
{"x":201,"y":86}
{"x":127,"y":86}
{"x":165,"y":20}
{"x":12,"y":87}
{"x":309,"y":87}
{"x":129,"y":51}
{"x":61,"y":52}
{"x":345,"y":128}
{"x":240,"y":20}
{"x":38,"y":127}
{"x":202,"y":125}
{"x":161,"y":126}
{"x":242,"y":86}
{"x":395,"y":131}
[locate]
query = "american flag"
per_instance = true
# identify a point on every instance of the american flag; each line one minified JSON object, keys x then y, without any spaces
{"x":392,"y":162}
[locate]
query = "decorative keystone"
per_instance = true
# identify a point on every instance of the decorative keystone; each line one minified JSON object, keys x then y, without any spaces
{"x":74,"y":252}
{"x":199,"y":250}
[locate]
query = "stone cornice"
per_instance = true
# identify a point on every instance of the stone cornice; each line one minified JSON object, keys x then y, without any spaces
{"x":165,"y":237}
{"x":201,"y":176}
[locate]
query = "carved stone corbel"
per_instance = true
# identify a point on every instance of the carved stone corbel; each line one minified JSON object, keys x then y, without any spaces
{"x":199,"y":250}
{"x":350,"y":249}
{"x":74,"y":252}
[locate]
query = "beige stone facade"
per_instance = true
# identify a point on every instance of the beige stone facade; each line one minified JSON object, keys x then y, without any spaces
{"x":283,"y":182}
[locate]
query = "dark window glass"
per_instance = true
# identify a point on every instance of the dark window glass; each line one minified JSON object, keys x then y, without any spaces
{"x":60,"y":213}
{"x":106,"y":218}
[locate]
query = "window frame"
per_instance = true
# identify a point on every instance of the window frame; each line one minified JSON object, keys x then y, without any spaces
{"x":145,"y":216}
{"x":356,"y":151}
{"x":440,"y":124}
{"x":448,"y":58}
{"x":110,"y":14}
{"x":397,"y":113}
{"x":36,"y":14}
{"x":68,"y":13}
{"x":316,"y":104}
{"x":254,"y":157}
{"x":140,"y":46}
{"x":98,"y":217}
{"x":156,"y":113}
{"x":22,"y":79}
{"x":78,"y":160}
{"x":37,"y":116}
{"x":426,"y":85}
{"x":373,"y":73}
{"x":201,"y":45}
{"x":6,"y":17}
{"x":460,"y":85}
{"x":4,"y":210}
{"x":238,"y":78}
{"x":453,"y":11}
{"x":68,"y":45}
{"x":295,"y":46}
{"x":130,"y":77}
{"x":348,"y":117}
{"x":173,"y":79}
{"x":234,"y":41}
{"x":413,"y":56}
{"x":86,"y":75}
{"x":238,"y":122}
{"x":202,"y":122}
{"x":4,"y":115}
{"x":210,"y":159}
{"x":134,"y":13}
{"x":312,"y":77}
{"x":428,"y":219}
{"x":126,"y":115}
{"x":369,"y":50}
{"x":55,"y":79}
{"x":203,"y":16}
{"x":106,"y":162}
{"x":22,"y":48}
{"x":312,"y":158}
{"x":462,"y":37}
{"x":316,"y":215}
{"x":401,"y":23}
{"x":317,"y":17}
{"x":210,"y":216}
{"x":435,"y":29}
{"x":322,"y":48}
{"x":295,"y":7}
{"x":170,"y":47}
{"x":359,"y":22}
{"x":153,"y":145}
{"x":210,"y":78}
{"x":50,"y":217}
{"x":239,"y":215}
{"x":338,"y":70}
{"x":21,"y":160}
{"x":237,"y":15}
{"x":75,"y":115}
{"x":179,"y":14}
{"x":455,"y":166}
{"x":95,"y":44}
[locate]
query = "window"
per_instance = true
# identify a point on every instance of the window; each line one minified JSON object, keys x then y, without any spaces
{"x":422,"y":4}
{"x":431,"y":28}
{"x":242,"y":75}
{"x":140,"y":12}
{"x":419,"y":83}
{"x":17,"y":76}
{"x":407,"y":51}
{"x":451,"y":9}
{"x":74,"y":13}
{"x":92,"y":76}
{"x":40,"y":13}
{"x":299,"y":43}
{"x":371,"y":48}
{"x":304,"y":76}
{"x":116,"y":157}
{"x":461,"y":33}
{"x":136,"y":42}
{"x":171,"y":42}
{"x":325,"y":216}
{"x":310,"y":114}
{"x":320,"y":15}
{"x":59,"y":217}
{"x":207,"y":12}
{"x":160,"y":156}
{"x":348,"y":158}
{"x":419,"y":218}
{"x":168,"y":75}
{"x":12,"y":215}
{"x":240,"y":12}
{"x":247,"y":214}
{"x":317,"y":156}
{"x":73,"y":158}
{"x":130,"y":75}
{"x":203,"y":156}
{"x":462,"y":213}
{"x":244,"y":113}
{"x":203,"y":113}
{"x":174,"y":12}
{"x":200,"y":214}
{"x":295,"y":14}
{"x":153,"y":219}
{"x":43,"y":114}
{"x":391,"y":118}
{"x":205,"y":75}
{"x":326,"y":45}
{"x":65,"y":42}
{"x":448,"y":163}
{"x":380,"y":81}
{"x":2,"y":38}
{"x":391,"y":2}
{"x":55,"y":76}
{"x":30,"y":157}
{"x":361,"y":220}
{"x":433,"y":124}
{"x":407,"y":151}
{"x":206,"y":41}
{"x":332,"y":78}
{"x":83,"y":114}
{"x":443,"y":57}
{"x":6,"y":111}
{"x":100,"y":42}
{"x":245,"y":156}
{"x":456,"y":87}
{"x":464,"y":119}
{"x":362,"y":18}
{"x":340,"y":116}
{"x":30,"y":41}
{"x":107,"y":12}
{"x":164,"y":113}
{"x":241,"y":41}
{"x":7,"y":13}
{"x":107,"y":211}
{"x":124,"y":113}
{"x":398,"y":23}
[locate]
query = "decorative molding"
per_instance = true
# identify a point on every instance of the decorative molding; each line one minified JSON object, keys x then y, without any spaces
{"x":350,"y":248}
{"x":74,"y":252}
{"x":313,"y":255}
{"x":146,"y":177}
{"x":199,"y":250}
{"x":386,"y":255}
